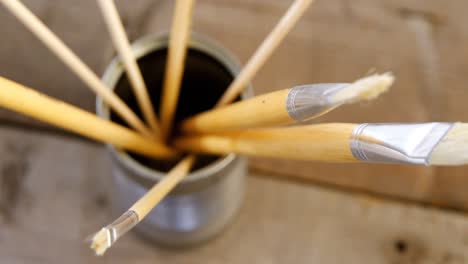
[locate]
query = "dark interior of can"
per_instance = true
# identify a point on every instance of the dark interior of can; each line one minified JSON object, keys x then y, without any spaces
{"x":205,"y":80}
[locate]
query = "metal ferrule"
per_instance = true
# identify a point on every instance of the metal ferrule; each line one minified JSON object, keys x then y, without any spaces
{"x":121,"y":226}
{"x":309,"y":101}
{"x":397,"y":143}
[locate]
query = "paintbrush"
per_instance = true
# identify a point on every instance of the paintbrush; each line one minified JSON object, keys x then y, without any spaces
{"x":19,"y":98}
{"x":419,"y":143}
{"x":108,"y":235}
{"x":300,"y":103}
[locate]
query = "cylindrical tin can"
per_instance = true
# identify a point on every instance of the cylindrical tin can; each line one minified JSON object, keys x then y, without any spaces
{"x":209,"y":197}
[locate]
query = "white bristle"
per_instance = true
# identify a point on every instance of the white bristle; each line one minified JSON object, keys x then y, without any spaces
{"x":100,"y":242}
{"x":367,"y":88}
{"x":453,"y":148}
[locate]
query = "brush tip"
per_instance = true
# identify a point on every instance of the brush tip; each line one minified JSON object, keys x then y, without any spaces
{"x":367,"y":88}
{"x":100,"y":242}
{"x":453,"y":148}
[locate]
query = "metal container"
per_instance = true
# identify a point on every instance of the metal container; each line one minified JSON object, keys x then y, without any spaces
{"x":207,"y":199}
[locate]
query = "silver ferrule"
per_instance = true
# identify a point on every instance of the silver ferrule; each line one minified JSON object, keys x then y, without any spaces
{"x":397,"y":143}
{"x":121,"y":226}
{"x":309,"y":101}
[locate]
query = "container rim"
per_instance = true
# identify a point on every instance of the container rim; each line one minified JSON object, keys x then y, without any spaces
{"x":142,"y":47}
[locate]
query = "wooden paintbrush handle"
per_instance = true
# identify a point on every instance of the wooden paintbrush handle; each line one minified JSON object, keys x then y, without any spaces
{"x":16,"y":97}
{"x":325,"y":142}
{"x":263,"y":110}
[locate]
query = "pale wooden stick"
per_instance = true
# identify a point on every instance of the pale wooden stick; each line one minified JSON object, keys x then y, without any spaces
{"x":178,"y":42}
{"x":19,"y":98}
{"x":265,"y":50}
{"x":75,"y":64}
{"x":119,"y":37}
{"x":103,"y":239}
{"x":300,"y":103}
{"x":412,"y":143}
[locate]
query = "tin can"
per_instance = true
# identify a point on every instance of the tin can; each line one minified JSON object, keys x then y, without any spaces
{"x":209,"y":197}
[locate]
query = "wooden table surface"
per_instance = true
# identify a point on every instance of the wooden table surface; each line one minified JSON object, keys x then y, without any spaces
{"x":55,"y":191}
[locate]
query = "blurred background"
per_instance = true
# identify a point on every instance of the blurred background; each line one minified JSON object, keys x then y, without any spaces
{"x":53,"y":188}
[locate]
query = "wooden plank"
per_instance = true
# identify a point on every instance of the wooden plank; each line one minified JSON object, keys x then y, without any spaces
{"x":45,"y":179}
{"x":62,"y":192}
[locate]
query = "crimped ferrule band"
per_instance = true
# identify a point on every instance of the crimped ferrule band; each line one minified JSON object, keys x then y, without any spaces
{"x":308,"y":101}
{"x":121,"y":226}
